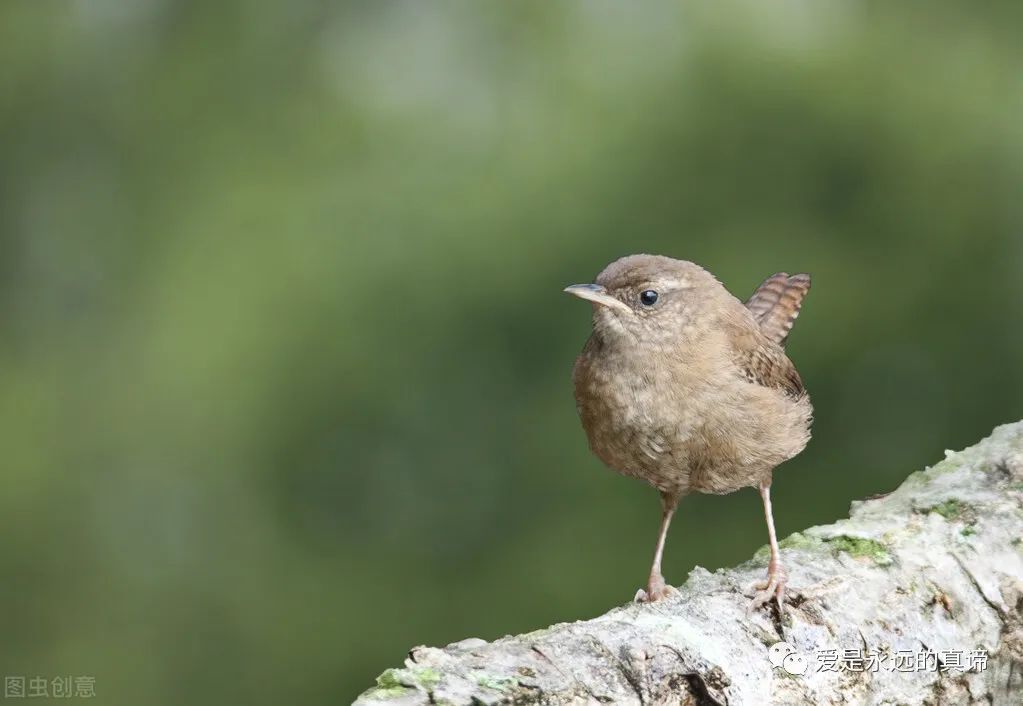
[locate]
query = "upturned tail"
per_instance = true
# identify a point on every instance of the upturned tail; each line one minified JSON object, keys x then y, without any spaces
{"x":776,"y":303}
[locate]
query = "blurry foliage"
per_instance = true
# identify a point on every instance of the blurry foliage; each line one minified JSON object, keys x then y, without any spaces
{"x":285,"y":372}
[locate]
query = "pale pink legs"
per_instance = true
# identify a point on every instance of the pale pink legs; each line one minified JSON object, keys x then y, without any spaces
{"x":656,"y":589}
{"x":774,"y":585}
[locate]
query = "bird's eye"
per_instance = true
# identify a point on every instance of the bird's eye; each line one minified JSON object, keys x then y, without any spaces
{"x":649,"y":297}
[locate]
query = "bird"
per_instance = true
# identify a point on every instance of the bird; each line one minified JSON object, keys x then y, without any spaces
{"x":686,"y":387}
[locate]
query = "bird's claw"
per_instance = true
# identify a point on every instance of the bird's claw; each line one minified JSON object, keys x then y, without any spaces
{"x":655,"y":592}
{"x":773,"y":587}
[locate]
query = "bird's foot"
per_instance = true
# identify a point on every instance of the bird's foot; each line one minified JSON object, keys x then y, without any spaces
{"x":648,"y":596}
{"x":656,"y":590}
{"x":773,"y":587}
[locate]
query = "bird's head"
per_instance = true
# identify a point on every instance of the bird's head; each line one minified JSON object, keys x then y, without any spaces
{"x":649,"y":298}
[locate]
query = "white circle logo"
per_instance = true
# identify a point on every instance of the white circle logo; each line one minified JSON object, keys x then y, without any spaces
{"x":794,"y":664}
{"x":778,"y":652}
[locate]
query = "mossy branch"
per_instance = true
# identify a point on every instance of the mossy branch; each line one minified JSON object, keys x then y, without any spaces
{"x":934,"y":567}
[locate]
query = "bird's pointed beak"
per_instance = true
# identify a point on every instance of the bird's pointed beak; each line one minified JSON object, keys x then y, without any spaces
{"x":598,"y":295}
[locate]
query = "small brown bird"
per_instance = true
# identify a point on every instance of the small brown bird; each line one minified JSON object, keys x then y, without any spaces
{"x":683,"y":386}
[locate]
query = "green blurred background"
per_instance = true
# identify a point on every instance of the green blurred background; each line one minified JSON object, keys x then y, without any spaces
{"x":285,"y":365}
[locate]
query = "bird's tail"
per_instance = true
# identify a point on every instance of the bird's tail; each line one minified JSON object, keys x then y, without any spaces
{"x":776,"y":303}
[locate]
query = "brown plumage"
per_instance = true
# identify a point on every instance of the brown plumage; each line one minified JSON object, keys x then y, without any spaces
{"x":685,"y":387}
{"x":776,"y":304}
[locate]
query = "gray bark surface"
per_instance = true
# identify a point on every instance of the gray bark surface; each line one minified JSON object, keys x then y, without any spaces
{"x":936,"y":565}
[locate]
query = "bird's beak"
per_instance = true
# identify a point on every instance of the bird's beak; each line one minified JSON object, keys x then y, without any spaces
{"x":598,"y":295}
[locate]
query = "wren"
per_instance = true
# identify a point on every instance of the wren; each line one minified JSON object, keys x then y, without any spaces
{"x":684,"y":386}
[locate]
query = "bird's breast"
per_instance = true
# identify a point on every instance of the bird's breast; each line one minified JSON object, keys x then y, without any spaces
{"x":683,"y":424}
{"x":638,"y":414}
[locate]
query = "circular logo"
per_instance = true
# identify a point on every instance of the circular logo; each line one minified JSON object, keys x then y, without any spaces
{"x":778,"y":652}
{"x":794,"y":664}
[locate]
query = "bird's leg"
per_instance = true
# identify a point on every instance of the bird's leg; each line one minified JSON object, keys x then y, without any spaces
{"x":774,"y":585}
{"x":656,"y":588}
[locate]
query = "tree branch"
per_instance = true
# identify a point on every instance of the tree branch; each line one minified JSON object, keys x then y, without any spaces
{"x":932,"y":569}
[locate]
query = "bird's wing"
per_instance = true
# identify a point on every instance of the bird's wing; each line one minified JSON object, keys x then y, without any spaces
{"x":775,"y":304}
{"x":764,"y":362}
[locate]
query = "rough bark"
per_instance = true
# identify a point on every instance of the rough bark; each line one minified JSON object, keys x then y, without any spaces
{"x":936,"y":565}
